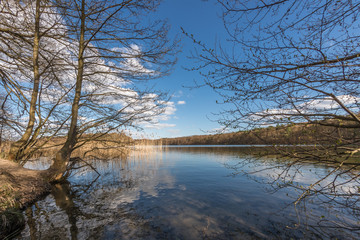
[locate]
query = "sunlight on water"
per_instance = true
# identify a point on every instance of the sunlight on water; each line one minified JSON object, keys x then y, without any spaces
{"x":182,"y":193}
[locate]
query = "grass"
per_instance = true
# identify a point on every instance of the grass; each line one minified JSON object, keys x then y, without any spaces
{"x":11,"y":223}
{"x":106,"y":147}
{"x":7,"y":196}
{"x":11,"y":218}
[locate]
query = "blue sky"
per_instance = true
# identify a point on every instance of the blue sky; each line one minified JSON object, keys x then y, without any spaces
{"x":202,"y":19}
{"x":194,"y":107}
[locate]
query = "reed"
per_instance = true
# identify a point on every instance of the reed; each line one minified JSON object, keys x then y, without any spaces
{"x":90,"y":146}
{"x":11,"y":217}
{"x":7,"y":195}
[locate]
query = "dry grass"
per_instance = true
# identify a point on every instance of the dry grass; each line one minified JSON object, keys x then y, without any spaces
{"x":4,"y":149}
{"x":11,"y":218}
{"x":7,"y":195}
{"x":103,"y":149}
{"x":106,"y":147}
{"x":18,"y":188}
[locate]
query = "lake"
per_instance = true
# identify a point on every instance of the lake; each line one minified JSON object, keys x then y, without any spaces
{"x":187,"y":192}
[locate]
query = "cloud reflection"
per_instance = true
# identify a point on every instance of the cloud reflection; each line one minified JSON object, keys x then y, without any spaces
{"x":174,"y":193}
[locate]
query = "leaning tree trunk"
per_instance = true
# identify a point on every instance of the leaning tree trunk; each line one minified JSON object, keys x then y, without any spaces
{"x":17,"y":148}
{"x":62,"y":157}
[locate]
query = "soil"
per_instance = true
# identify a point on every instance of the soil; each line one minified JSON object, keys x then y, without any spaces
{"x":19,"y":187}
{"x":27,"y":184}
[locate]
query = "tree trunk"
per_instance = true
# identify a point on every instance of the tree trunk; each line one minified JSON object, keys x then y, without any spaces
{"x":62,"y":157}
{"x":18,"y":147}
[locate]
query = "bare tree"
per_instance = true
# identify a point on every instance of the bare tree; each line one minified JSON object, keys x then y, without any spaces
{"x":115,"y":50}
{"x":16,"y":146}
{"x":84,"y":54}
{"x":290,"y":62}
{"x":6,"y":122}
{"x":30,"y":47}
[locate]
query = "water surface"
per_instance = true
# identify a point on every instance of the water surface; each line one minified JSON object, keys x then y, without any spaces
{"x":184,"y":193}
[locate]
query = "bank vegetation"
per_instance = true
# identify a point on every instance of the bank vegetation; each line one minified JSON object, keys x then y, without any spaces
{"x":74,"y":75}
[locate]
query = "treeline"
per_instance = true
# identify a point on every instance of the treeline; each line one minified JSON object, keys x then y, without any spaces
{"x":289,"y":134}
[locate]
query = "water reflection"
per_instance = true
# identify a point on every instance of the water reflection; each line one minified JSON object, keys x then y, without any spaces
{"x":178,"y":193}
{"x":64,"y":200}
{"x":54,"y":217}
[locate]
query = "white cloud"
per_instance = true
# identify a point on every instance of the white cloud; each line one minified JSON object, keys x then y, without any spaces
{"x":219,"y":130}
{"x":155,"y":120}
{"x":170,"y":110}
{"x":132,"y":62}
{"x":181,"y":102}
{"x":159,"y":125}
{"x":323,"y":105}
{"x":329,"y":103}
{"x":105,"y":82}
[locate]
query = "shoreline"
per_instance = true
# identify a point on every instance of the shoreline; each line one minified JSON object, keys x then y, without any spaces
{"x":19,"y":187}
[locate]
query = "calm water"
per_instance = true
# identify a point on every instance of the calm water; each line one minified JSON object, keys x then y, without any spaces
{"x":184,"y":193}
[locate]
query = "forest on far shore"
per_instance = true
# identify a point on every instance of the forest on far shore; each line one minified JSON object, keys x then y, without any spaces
{"x":287,"y":134}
